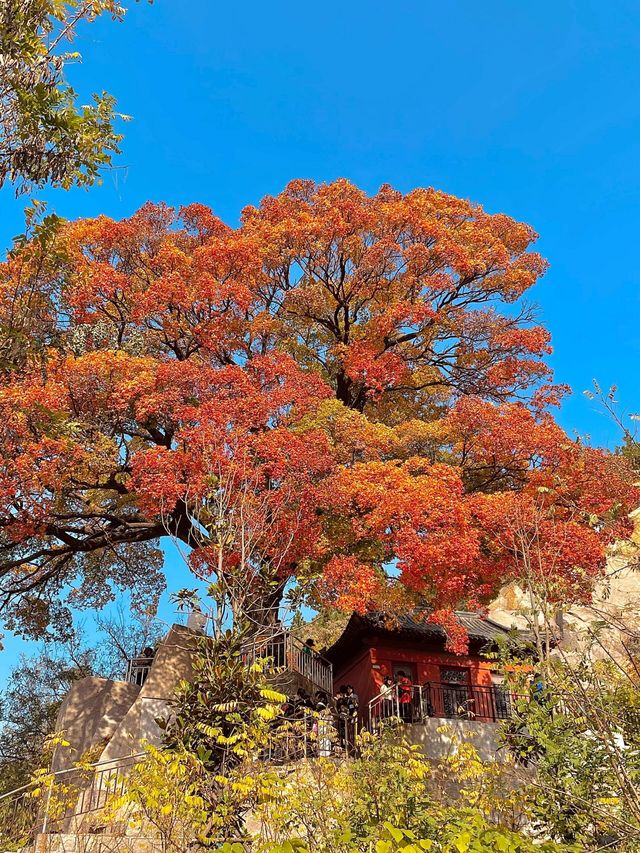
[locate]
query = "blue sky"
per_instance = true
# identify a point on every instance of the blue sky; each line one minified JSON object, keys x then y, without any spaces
{"x":532,"y":109}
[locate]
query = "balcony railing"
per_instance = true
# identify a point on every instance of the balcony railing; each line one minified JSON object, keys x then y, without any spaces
{"x":485,"y":704}
{"x":287,"y":653}
{"x":284,"y":651}
{"x":138,"y":669}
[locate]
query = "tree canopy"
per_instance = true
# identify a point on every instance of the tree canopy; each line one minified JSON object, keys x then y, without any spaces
{"x":344,"y":387}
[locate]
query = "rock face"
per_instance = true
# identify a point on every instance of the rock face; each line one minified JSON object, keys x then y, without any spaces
{"x":89,"y":715}
{"x":119,"y":716}
{"x":613,"y":614}
{"x":172,"y":663}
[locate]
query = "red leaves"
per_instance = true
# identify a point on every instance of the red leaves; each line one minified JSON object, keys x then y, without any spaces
{"x":351,"y":585}
{"x":517,"y":499}
{"x":380,"y":280}
{"x":340,"y":371}
{"x":457,"y":637}
{"x":365,"y":364}
{"x":535,"y":340}
{"x":413,"y":516}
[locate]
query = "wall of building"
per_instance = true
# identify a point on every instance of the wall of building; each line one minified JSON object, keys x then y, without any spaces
{"x":367,"y":671}
{"x":361,"y":675}
{"x":427,"y":662}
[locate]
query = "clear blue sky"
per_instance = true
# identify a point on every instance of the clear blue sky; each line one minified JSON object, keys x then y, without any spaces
{"x":528,"y":108}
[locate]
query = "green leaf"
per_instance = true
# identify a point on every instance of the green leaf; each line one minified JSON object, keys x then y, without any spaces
{"x":462,"y":842}
{"x":396,"y":834}
{"x":273,"y":695}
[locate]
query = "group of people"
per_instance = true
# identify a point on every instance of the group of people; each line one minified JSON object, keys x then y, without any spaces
{"x":397,"y":696}
{"x":296,"y":707}
{"x":325,"y":718}
{"x":401,"y":698}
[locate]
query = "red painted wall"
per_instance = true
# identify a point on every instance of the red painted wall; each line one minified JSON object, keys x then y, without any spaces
{"x":367,"y":672}
{"x":360,"y":674}
{"x":428,"y":663}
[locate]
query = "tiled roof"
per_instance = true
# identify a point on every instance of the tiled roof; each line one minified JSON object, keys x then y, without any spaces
{"x":479,"y":628}
{"x":417,"y":624}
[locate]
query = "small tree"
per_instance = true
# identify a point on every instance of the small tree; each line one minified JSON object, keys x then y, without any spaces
{"x":226,"y":717}
{"x":47,"y":137}
{"x":580,"y":733}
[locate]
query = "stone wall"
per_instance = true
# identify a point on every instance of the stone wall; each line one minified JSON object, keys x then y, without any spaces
{"x":119,"y":716}
{"x":172,"y":663}
{"x":438,"y":738}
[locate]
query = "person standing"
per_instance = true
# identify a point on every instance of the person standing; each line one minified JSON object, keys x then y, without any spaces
{"x":388,"y":696}
{"x":353,"y":704}
{"x":342,"y":713}
{"x":405,"y":697}
{"x":322,"y":726}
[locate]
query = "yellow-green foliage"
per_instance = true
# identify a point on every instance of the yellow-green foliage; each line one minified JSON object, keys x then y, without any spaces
{"x":162,"y":799}
{"x":389,"y":798}
{"x":392,"y":798}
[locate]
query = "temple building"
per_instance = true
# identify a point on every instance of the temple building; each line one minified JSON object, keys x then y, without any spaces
{"x":412,"y":649}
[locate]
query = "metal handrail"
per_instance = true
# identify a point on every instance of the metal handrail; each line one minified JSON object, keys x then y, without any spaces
{"x":315,"y":654}
{"x":310,"y":664}
{"x":57,"y":773}
{"x":28,"y":815}
{"x":482,"y":703}
{"x":138,"y":669}
{"x":287,"y":652}
{"x":384,"y":706}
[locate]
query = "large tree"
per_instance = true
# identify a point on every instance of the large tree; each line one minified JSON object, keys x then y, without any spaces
{"x":342,"y":388}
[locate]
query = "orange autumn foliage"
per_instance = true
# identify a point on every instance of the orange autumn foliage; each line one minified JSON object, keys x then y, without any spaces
{"x":359,"y":373}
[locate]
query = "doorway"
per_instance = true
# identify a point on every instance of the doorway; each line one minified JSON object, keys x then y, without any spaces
{"x":457,"y":699}
{"x":410,"y":670}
